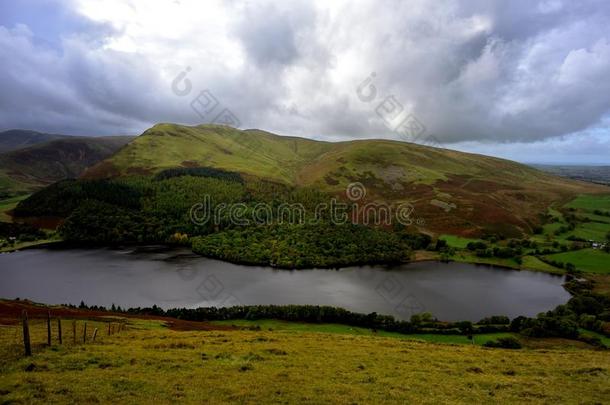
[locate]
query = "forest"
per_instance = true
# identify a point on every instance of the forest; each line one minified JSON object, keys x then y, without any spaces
{"x":157,"y":209}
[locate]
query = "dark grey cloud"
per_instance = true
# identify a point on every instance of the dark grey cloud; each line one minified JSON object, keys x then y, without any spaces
{"x":269,"y":31}
{"x":484,"y":72}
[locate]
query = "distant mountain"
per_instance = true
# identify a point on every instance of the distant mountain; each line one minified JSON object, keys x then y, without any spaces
{"x":31,"y":168}
{"x":593,"y":174}
{"x":22,"y":138}
{"x":452,"y":192}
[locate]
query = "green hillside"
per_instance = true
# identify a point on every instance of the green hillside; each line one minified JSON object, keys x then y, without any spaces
{"x":158,"y":360}
{"x":452,"y":192}
{"x":253,"y":152}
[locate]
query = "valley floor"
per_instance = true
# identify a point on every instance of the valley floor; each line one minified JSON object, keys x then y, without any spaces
{"x":149,"y":362}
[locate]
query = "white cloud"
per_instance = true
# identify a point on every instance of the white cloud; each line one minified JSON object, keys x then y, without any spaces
{"x":471,"y":71}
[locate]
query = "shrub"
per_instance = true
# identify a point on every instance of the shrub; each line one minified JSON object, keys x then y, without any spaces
{"x":504,"y":343}
{"x":440,"y":244}
{"x":472,"y":246}
{"x":589,"y":322}
{"x":495,"y":320}
{"x":465,"y":327}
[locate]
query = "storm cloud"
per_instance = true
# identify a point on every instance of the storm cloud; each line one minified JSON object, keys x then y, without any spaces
{"x":473,"y":73}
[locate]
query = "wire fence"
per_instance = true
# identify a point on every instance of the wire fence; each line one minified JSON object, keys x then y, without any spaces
{"x":30,"y":336}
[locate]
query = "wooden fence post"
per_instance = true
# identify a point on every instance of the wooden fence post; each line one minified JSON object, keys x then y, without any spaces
{"x":49,"y":328}
{"x":94,"y":334}
{"x":85,"y":333}
{"x":108,"y":328}
{"x":59,"y":330}
{"x":26,"y":334}
{"x":74,"y":330}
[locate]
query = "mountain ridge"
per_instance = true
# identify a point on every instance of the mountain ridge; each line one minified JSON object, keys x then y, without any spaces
{"x":14,"y":139}
{"x":451,"y":191}
{"x":35,"y":166}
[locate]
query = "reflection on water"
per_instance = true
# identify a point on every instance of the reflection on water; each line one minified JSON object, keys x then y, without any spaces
{"x":178,"y":278}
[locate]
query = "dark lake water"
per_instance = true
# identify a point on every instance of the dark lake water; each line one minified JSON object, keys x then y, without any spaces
{"x":176,"y":278}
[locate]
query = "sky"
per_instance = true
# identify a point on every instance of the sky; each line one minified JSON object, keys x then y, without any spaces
{"x":522,"y":79}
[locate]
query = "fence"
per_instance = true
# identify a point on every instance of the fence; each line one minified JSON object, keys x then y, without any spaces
{"x":37,"y":333}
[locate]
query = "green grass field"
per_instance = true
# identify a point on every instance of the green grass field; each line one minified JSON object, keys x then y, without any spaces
{"x":585,"y":206}
{"x":457,"y":241}
{"x":533,"y":263}
{"x":591,"y":203}
{"x":599,"y":218}
{"x":11,"y":186}
{"x":591,"y":231}
{"x":551,"y":229}
{"x":604,"y":339}
{"x":467,"y":256}
{"x":148,"y":363}
{"x":596,"y":229}
{"x":272,"y":324}
{"x":23,"y":245}
{"x":9,"y":204}
{"x":587,"y":260}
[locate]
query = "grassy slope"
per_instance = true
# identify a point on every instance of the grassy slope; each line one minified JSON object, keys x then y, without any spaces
{"x":30,"y":168}
{"x":7,"y":205}
{"x":252,"y":152}
{"x":488,"y":193}
{"x":533,"y":263}
{"x":590,"y":203}
{"x":147,"y":363}
{"x":591,"y":261}
{"x":584,"y":206}
{"x":587,"y":260}
{"x":298,"y":327}
{"x":456,"y":241}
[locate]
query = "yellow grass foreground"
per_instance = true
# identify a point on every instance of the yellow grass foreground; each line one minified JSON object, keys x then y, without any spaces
{"x":147,"y":363}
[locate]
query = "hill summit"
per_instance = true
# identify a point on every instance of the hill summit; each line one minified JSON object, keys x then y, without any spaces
{"x":451,"y":192}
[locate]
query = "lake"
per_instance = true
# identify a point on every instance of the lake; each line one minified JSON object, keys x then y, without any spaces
{"x":144,"y":276}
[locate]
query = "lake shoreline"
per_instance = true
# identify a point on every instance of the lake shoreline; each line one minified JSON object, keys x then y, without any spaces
{"x":61,"y":245}
{"x":419,"y":256}
{"x":171,"y":276}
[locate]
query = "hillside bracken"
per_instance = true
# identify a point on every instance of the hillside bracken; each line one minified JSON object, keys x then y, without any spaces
{"x":476,"y":193}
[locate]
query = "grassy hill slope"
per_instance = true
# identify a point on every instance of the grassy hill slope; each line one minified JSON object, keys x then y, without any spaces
{"x":453,"y":192}
{"x":148,"y":362}
{"x":32,"y":167}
